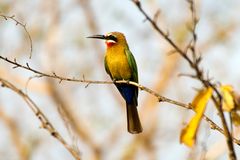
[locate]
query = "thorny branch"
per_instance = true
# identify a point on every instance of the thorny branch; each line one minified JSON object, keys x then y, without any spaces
{"x":24,"y":26}
{"x":42,"y":118}
{"x":194,"y":63}
{"x":141,"y":87}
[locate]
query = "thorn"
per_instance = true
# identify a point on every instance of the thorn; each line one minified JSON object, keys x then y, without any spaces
{"x":187,"y":75}
{"x":2,"y":85}
{"x":171,"y":52}
{"x":199,"y":59}
{"x":156,"y":15}
{"x":60,"y":81}
{"x":28,"y":66}
{"x":38,"y":113}
{"x":167,"y":34}
{"x":87,"y":84}
{"x":53,"y":133}
{"x":14,"y":67}
{"x":160,"y":99}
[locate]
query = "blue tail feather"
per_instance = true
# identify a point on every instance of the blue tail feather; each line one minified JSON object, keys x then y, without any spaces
{"x":128,"y":92}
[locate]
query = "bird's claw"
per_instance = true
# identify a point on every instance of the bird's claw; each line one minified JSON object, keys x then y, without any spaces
{"x":114,"y":80}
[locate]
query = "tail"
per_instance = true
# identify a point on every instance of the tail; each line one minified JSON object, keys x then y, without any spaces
{"x":133,"y":122}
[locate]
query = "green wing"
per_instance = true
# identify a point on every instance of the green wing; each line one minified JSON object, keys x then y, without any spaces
{"x":106,"y":67}
{"x":133,"y":65}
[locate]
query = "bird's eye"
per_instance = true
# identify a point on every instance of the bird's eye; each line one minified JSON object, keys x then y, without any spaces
{"x":111,"y":37}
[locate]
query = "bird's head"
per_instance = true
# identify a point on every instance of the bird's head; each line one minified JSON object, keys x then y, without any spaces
{"x":112,"y":38}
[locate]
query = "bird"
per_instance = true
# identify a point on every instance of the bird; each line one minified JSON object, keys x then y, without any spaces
{"x":120,"y":64}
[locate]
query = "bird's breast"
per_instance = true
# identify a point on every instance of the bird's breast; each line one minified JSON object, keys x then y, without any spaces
{"x":118,"y":65}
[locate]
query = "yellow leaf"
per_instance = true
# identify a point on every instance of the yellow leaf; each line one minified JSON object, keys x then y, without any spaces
{"x":188,"y":134}
{"x":228,"y":99}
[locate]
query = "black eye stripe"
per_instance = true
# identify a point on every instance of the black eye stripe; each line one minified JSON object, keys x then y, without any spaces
{"x":111,"y":37}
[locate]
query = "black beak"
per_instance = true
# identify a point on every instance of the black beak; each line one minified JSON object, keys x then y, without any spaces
{"x":98,"y":37}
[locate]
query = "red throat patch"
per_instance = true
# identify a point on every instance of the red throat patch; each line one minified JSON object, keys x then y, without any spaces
{"x":109,"y":44}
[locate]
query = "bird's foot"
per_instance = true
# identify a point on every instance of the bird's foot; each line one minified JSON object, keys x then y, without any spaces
{"x":114,"y":80}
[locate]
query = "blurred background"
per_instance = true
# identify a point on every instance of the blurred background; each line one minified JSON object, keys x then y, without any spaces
{"x":92,"y":119}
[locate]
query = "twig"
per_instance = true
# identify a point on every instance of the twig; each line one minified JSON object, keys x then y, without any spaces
{"x":42,"y":118}
{"x":194,"y":64}
{"x":70,"y":120}
{"x":193,"y":31}
{"x":88,"y":82}
{"x":24,"y":26}
{"x":146,"y":89}
{"x":160,"y":31}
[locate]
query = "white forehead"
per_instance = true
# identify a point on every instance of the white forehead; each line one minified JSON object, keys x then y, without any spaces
{"x":108,"y":34}
{"x":110,"y":41}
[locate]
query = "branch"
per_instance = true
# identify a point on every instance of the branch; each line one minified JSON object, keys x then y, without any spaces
{"x":53,"y":75}
{"x":141,"y":87}
{"x":24,"y":26}
{"x":165,"y":35}
{"x":42,"y":118}
{"x":194,"y":64}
